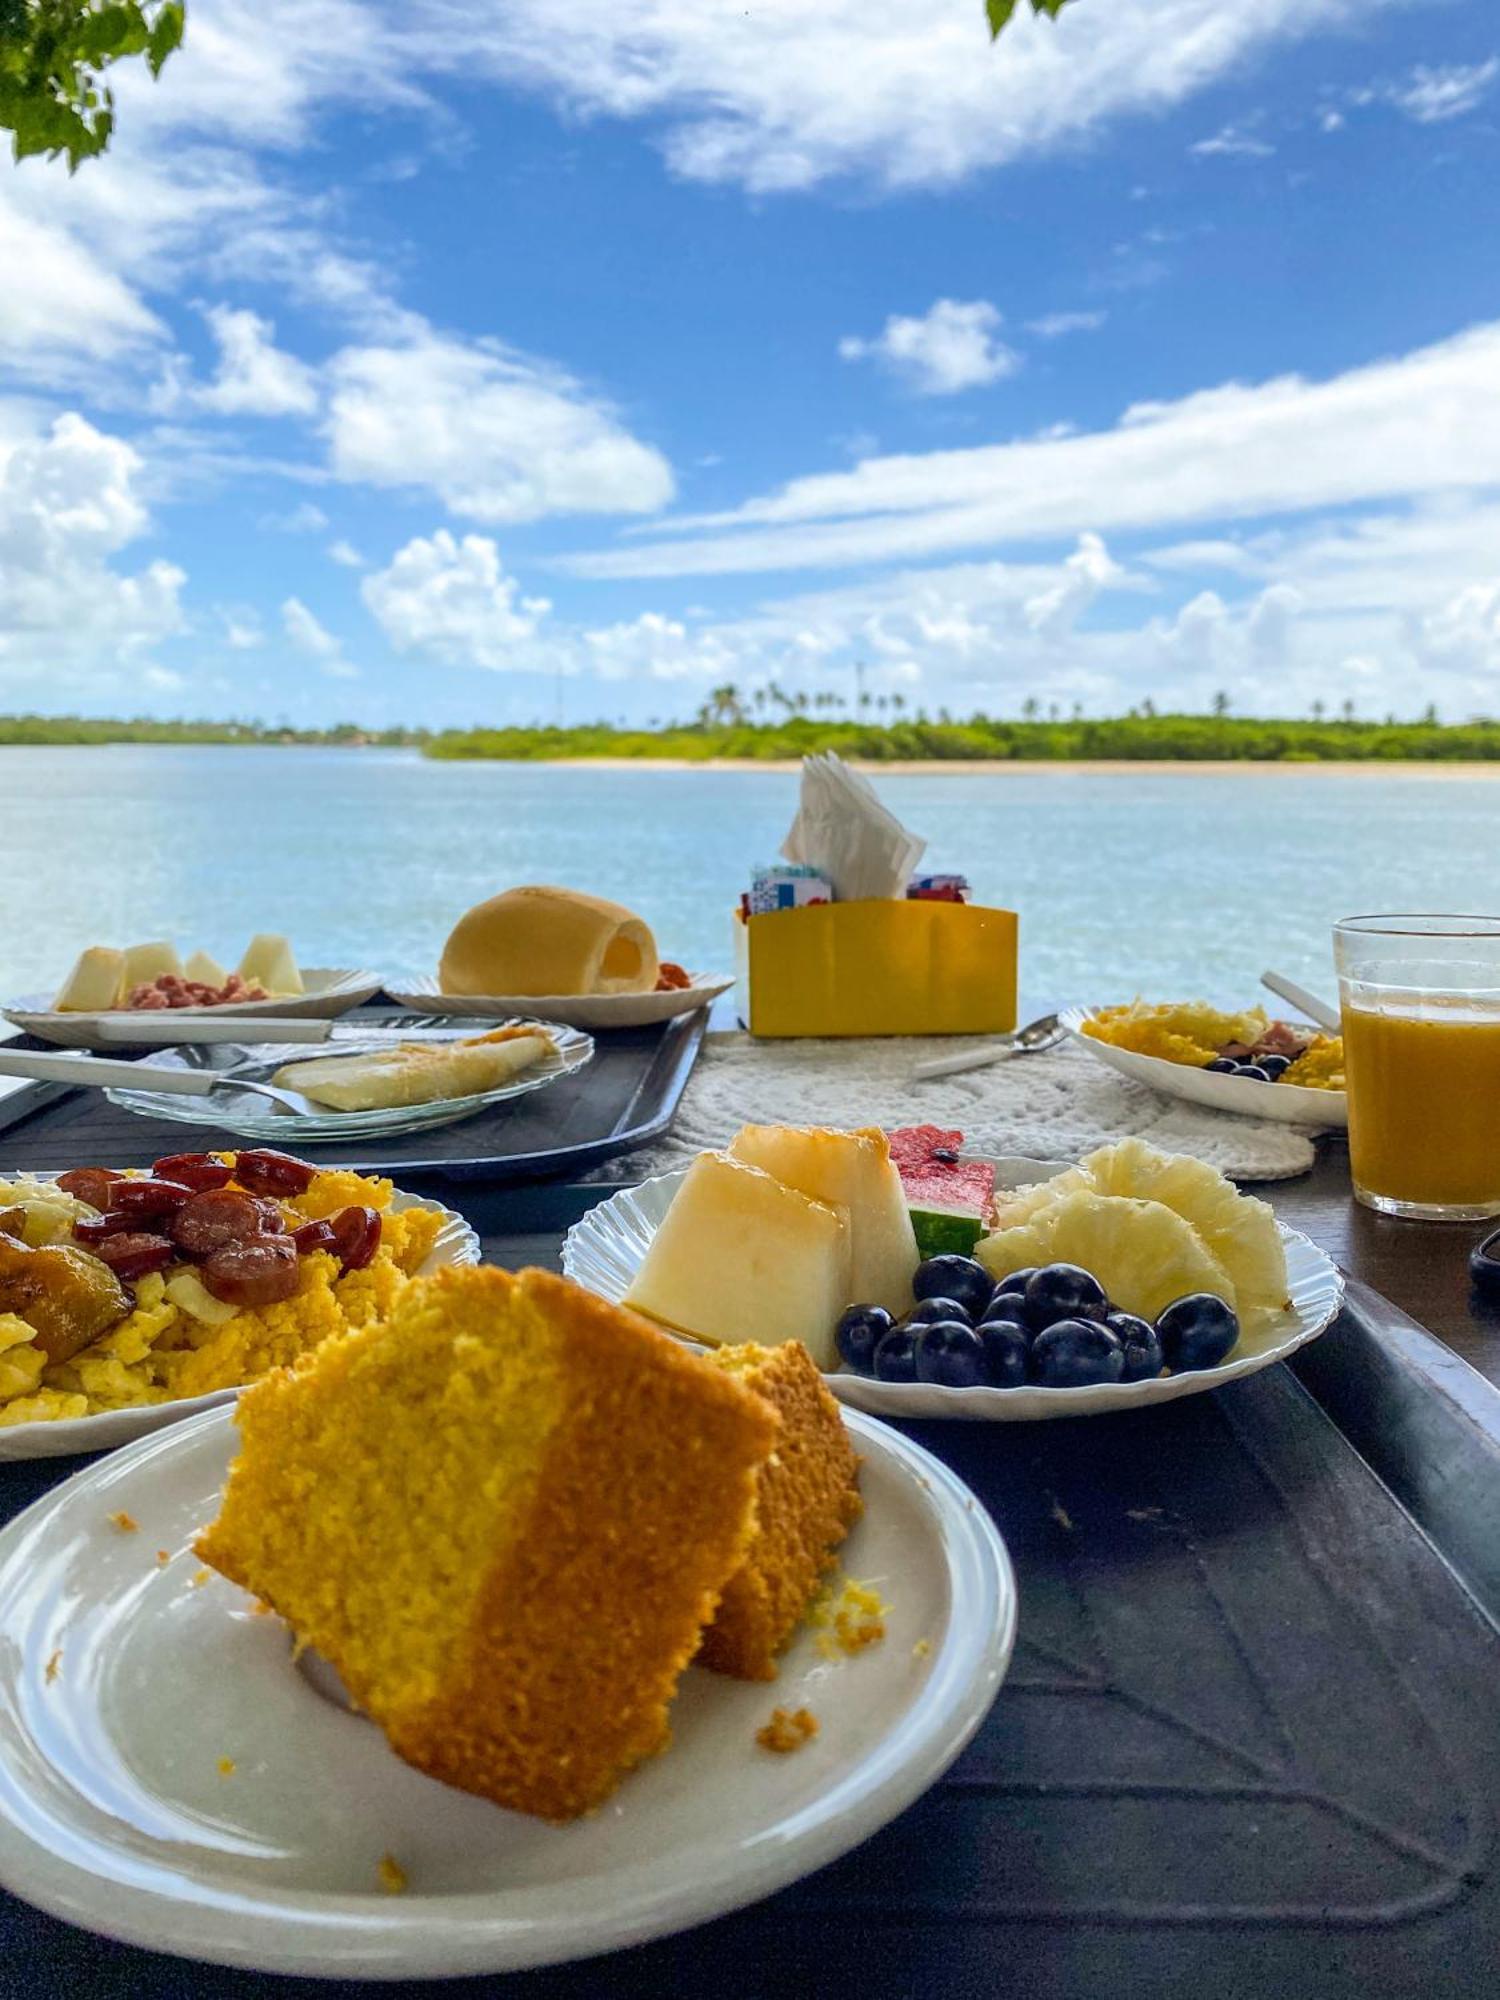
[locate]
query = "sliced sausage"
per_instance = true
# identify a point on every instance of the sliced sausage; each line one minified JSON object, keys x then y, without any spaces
{"x":265,"y":1171}
{"x":223,"y":1215}
{"x":258,"y":1273}
{"x":146,"y":1197}
{"x":356,"y":1237}
{"x":95,"y":1185}
{"x":198,"y":1171}
{"x":134,"y":1252}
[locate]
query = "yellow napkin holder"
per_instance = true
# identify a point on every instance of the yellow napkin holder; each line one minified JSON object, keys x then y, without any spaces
{"x":878,"y":968}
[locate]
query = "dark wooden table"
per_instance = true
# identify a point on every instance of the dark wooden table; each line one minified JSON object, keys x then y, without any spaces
{"x":1422,"y":1267}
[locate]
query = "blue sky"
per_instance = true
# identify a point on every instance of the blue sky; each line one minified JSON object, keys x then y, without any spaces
{"x":500,"y":361}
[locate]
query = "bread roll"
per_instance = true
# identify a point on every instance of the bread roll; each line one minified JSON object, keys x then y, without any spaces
{"x":542,"y":940}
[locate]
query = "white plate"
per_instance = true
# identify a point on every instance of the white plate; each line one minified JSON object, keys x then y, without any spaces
{"x":259,"y":1118}
{"x":455,"y":1243}
{"x":1280,"y":1103}
{"x":604,"y":1252}
{"x":114,"y":1815}
{"x":578,"y":1010}
{"x":329,"y":992}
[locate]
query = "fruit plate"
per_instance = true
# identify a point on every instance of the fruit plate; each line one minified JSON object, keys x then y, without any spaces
{"x":455,"y":1243}
{"x":169,"y":1776}
{"x":329,"y":993}
{"x":259,"y":1118}
{"x":1242,"y":1096}
{"x":575,"y":1010}
{"x":604,"y":1252}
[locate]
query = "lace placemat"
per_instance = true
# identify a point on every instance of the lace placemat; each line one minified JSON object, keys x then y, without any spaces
{"x":1056,"y":1105}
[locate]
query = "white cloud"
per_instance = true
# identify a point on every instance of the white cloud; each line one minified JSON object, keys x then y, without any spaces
{"x":346,"y":554}
{"x":306,"y":518}
{"x":1052,"y":326}
{"x":311,"y":636}
{"x":785,"y":94}
{"x":1233,"y":142}
{"x":243,"y":631}
{"x":451,"y":601}
{"x":254,"y":376}
{"x":496,"y":436}
{"x":1424,"y":424}
{"x":1432,"y":96}
{"x":68,"y":502}
{"x":954,"y":345}
{"x":70,"y":307}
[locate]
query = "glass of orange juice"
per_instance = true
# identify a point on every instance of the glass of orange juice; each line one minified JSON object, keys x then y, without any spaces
{"x":1420,"y":998}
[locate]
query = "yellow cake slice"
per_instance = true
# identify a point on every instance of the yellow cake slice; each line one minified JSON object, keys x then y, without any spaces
{"x":741,"y":1257}
{"x":853,"y":1171}
{"x":807,"y":1500}
{"x":504,"y":1515}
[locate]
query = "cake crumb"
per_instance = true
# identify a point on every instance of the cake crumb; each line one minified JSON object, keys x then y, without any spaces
{"x":260,"y":1609}
{"x":847,"y":1617}
{"x":922,"y":1648}
{"x":53,"y":1667}
{"x":392,"y":1875}
{"x":163,"y":1557}
{"x":126,"y":1523}
{"x":200,"y":1577}
{"x":227,"y":1767}
{"x":787,"y":1730}
{"x":1061,"y":1515}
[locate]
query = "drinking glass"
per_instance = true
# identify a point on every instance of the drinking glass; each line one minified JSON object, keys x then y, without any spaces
{"x":1420,"y":997}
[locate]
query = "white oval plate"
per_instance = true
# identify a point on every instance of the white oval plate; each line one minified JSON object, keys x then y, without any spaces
{"x":114,"y":1814}
{"x":455,"y":1243}
{"x":1279,"y":1103}
{"x":258,"y":1118}
{"x":329,"y":992}
{"x":577,"y":1010}
{"x":603,"y":1252}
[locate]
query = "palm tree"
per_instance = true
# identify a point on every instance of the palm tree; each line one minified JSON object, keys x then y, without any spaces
{"x":1031,"y":708}
{"x":1221,"y":704}
{"x":1318,"y":711}
{"x":1348,"y":711}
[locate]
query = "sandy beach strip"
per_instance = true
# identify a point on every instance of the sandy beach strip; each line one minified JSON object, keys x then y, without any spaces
{"x":1008,"y":767}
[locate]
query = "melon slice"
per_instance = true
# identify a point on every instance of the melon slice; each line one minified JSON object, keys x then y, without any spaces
{"x":951,"y":1200}
{"x":852,"y":1171}
{"x":740,"y":1257}
{"x":93,"y":986}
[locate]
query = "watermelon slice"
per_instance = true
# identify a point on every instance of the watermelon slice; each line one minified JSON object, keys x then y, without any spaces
{"x":952,"y":1200}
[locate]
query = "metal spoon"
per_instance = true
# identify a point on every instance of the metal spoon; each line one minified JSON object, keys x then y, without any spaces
{"x":103,"y":1073}
{"x":1044,"y":1033}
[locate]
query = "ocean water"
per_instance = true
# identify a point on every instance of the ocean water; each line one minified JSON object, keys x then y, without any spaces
{"x":1168,"y":884}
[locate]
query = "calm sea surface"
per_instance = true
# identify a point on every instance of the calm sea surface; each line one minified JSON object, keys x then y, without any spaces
{"x":1170,"y":885}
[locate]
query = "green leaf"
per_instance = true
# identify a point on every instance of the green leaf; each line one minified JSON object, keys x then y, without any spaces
{"x":999,"y":12}
{"x":53,"y":55}
{"x":166,"y":35}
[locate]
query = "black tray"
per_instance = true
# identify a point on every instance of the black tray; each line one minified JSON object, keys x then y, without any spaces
{"x":627,"y":1096}
{"x":1249,"y":1746}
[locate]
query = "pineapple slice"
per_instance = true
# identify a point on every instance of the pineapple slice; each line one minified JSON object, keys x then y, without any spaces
{"x":1241,"y":1233}
{"x":1142,"y":1252}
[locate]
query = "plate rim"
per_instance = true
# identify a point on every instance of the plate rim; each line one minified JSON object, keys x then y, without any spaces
{"x":322,"y":1934}
{"x":937,"y":1403}
{"x":416,"y":984}
{"x":60,"y":1431}
{"x":1305,"y":1103}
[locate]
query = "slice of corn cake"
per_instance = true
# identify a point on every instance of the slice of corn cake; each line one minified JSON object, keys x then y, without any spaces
{"x":807,"y":1501}
{"x":505,"y":1515}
